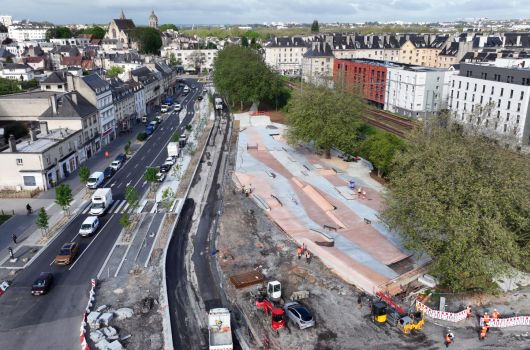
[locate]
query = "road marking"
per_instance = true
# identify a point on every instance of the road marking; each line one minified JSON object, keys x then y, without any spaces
{"x":113,"y":184}
{"x":153,"y":209}
{"x":86,"y":209}
{"x":144,"y":156}
{"x":113,"y":205}
{"x":145,"y":183}
{"x":135,"y":165}
{"x":128,"y":183}
{"x":119,"y":206}
{"x":49,"y":206}
{"x":125,"y":207}
{"x":89,"y":244}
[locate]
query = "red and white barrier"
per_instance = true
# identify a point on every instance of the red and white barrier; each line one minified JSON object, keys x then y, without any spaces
{"x":507,"y":322}
{"x":441,"y":315}
{"x":91,"y":298}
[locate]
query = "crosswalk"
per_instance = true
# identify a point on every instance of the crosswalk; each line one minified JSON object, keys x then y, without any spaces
{"x":119,"y":206}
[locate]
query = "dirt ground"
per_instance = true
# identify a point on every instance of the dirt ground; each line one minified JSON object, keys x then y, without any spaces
{"x":138,"y":291}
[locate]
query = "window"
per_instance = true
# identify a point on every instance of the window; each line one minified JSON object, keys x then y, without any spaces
{"x":20,"y":161}
{"x":467,"y":86}
{"x":522,"y":95}
{"x":507,"y":117}
{"x":509,"y":104}
{"x":29,"y":181}
{"x":511,"y":93}
{"x":492,"y":90}
{"x":481,"y":99}
{"x":483,"y":88}
{"x":498,"y":114}
{"x":475,"y":88}
{"x":505,"y":127}
{"x":499,"y":103}
{"x":459,"y":84}
{"x":517,"y":120}
{"x":48,"y":87}
{"x":502,"y":91}
{"x":518,"y":107}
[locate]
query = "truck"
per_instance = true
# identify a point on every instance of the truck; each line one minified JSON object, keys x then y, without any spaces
{"x":186,"y":90}
{"x":219,"y":329}
{"x":101,"y":201}
{"x":173,"y":149}
{"x":218,"y":103}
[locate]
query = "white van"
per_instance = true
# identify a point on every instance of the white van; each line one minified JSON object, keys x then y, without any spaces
{"x":89,"y":226}
{"x":95,"y":180}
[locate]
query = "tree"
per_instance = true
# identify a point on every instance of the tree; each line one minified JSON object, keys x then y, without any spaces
{"x":96,"y":31}
{"x":58,"y":33}
{"x":197,"y":59}
{"x":173,"y":60}
{"x":125,"y":221}
{"x":315,"y":27}
{"x":132,"y":198}
{"x":175,"y":137}
{"x":148,"y":39}
{"x":463,"y":201}
{"x":127,"y":147}
{"x":42,"y":221}
{"x":168,"y":197}
{"x":114,"y":71}
{"x":325,"y":117}
{"x":7,"y":41}
{"x":84,"y":174}
{"x":380,"y":149}
{"x":165,"y":27}
{"x":142,"y":136}
{"x":150,"y":176}
{"x":63,"y":196}
{"x":8,"y":86}
{"x":242,"y":76}
{"x":244,"y":41}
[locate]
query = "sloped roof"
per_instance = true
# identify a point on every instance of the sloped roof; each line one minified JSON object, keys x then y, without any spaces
{"x":55,"y":78}
{"x":71,"y":61}
{"x":67,"y":108}
{"x":94,"y":81}
{"x":124,"y":24}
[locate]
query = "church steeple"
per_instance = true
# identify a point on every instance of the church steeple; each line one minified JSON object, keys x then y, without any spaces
{"x":122,"y":16}
{"x":153,"y":20}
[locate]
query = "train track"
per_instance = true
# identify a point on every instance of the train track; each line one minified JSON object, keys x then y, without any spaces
{"x":385,"y":127}
{"x":384,"y":116}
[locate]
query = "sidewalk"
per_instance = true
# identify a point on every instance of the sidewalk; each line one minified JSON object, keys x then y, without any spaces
{"x":23,"y":226}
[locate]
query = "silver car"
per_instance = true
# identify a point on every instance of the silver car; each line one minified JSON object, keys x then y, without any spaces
{"x":299,"y":314}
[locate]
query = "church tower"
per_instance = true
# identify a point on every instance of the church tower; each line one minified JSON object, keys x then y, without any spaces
{"x":153,"y":20}
{"x":122,"y":16}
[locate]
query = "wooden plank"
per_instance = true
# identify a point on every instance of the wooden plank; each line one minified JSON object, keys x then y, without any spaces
{"x":247,"y":279}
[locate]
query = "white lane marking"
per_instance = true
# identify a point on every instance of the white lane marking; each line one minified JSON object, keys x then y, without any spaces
{"x":124,"y":210}
{"x":89,"y":244}
{"x":135,"y":165}
{"x":153,"y":209}
{"x":119,"y":206}
{"x":128,"y":183}
{"x":113,"y":205}
{"x":112,"y":185}
{"x":143,"y":157}
{"x":86,"y":210}
{"x":145,"y":183}
{"x":49,"y":206}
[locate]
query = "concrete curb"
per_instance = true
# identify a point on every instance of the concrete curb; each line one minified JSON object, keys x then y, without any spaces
{"x":82,"y":329}
{"x":166,"y":319}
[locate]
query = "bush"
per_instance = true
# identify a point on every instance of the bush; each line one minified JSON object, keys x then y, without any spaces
{"x":142,"y":136}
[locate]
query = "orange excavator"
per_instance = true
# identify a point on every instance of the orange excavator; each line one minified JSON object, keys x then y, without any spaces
{"x":277,"y":314}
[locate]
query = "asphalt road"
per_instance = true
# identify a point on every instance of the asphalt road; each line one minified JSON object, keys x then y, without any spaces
{"x":52,"y":321}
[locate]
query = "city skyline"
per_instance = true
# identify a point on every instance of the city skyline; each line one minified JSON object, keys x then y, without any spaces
{"x":252,"y":11}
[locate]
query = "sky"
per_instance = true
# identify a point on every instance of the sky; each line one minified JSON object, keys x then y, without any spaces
{"x":260,"y":11}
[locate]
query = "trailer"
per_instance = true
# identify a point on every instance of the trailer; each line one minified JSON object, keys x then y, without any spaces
{"x":219,"y":329}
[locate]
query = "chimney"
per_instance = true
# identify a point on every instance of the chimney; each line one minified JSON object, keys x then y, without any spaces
{"x":53,"y":100}
{"x":74,"y":97}
{"x":32,"y":134}
{"x":70,"y":82}
{"x":12,"y":143}
{"x":44,"y":128}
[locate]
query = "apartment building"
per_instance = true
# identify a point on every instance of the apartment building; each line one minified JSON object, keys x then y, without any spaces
{"x":415,"y":91}
{"x":124,"y":104}
{"x":317,"y":64}
{"x":192,"y":58}
{"x":422,"y":50}
{"x":285,"y":55}
{"x":27,"y":32}
{"x":493,"y":99}
{"x":16,"y":71}
{"x":151,"y":84}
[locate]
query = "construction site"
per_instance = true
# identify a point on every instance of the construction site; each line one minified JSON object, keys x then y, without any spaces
{"x":280,"y":199}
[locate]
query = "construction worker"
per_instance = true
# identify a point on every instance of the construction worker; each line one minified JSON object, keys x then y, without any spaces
{"x":359,"y":191}
{"x":468,"y":312}
{"x":307,"y":257}
{"x":486,"y":318}
{"x":448,"y":339}
{"x":495,"y":314}
{"x":483,"y":332}
{"x":299,"y":252}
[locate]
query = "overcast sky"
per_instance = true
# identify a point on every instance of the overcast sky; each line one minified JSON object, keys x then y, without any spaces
{"x":259,"y":11}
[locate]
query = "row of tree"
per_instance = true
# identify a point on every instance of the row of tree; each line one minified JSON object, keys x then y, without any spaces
{"x":64,"y":32}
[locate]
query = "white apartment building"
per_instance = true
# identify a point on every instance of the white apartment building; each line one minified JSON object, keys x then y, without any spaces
{"x":192,"y":58}
{"x":6,"y":20}
{"x":15,"y":71}
{"x":494,"y":99}
{"x":27,"y":32}
{"x":416,"y":91}
{"x":285,"y":55}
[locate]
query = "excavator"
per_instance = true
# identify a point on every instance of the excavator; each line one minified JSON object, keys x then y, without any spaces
{"x":387,"y":310}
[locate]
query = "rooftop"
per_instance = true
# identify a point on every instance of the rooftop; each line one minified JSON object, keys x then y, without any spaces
{"x":44,"y":142}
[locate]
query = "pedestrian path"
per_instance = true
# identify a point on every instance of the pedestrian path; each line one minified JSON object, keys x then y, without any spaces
{"x":121,"y":207}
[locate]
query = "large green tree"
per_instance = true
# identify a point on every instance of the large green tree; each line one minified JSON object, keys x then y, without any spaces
{"x":167,"y":26}
{"x":114,"y":71}
{"x":58,"y":33}
{"x":464,"y":202}
{"x":64,"y":197}
{"x":149,"y":40}
{"x":241,"y":75}
{"x":380,"y":148}
{"x":328,"y":118}
{"x":315,"y":27}
{"x":96,"y":31}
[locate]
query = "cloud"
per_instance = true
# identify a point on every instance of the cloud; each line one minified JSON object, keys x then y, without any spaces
{"x":258,"y":11}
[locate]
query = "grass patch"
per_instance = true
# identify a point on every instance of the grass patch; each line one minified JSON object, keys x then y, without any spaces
{"x":4,"y":218}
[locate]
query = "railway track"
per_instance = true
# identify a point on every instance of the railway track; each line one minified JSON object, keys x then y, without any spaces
{"x":385,"y":127}
{"x":381,"y":115}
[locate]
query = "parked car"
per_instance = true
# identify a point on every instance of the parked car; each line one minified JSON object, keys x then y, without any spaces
{"x":89,"y":226}
{"x":170,"y":160}
{"x":299,"y":314}
{"x":42,"y":283}
{"x":164,"y":168}
{"x":199,"y":98}
{"x":115,"y":165}
{"x":160,"y":177}
{"x":178,"y":107}
{"x":121,"y":157}
{"x":67,"y":253}
{"x":158,"y":119}
{"x":108,"y":172}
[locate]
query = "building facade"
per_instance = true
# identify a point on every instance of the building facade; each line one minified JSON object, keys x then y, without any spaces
{"x":27,"y":32}
{"x":493,"y":99}
{"x":285,"y":55}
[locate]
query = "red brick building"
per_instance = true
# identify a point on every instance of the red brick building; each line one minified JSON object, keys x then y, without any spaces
{"x":363,"y":75}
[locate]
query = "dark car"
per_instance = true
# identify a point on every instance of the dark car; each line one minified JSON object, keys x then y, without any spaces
{"x":42,"y":284}
{"x":108,"y":172}
{"x":164,"y":168}
{"x":299,"y":314}
{"x":121,"y":157}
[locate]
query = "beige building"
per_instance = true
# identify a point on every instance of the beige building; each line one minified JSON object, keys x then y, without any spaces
{"x":119,"y":31}
{"x":285,"y":55}
{"x":38,"y":162}
{"x":422,"y":50}
{"x":317,"y":64}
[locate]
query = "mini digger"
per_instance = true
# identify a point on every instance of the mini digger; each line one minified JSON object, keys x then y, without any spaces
{"x":385,"y":310}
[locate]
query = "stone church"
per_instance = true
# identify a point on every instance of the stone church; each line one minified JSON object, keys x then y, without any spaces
{"x":120,"y":30}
